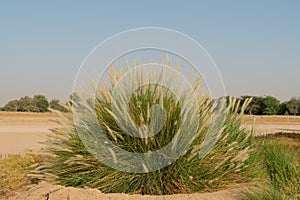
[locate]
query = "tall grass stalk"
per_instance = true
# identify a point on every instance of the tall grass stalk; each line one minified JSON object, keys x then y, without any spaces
{"x":68,"y":162}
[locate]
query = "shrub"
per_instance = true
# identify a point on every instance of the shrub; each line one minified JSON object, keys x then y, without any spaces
{"x":70,"y":163}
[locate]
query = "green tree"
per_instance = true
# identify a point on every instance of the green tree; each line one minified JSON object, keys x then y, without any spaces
{"x":11,"y":106}
{"x":256,"y":105}
{"x":25,"y":104}
{"x":271,"y":105}
{"x":41,"y":103}
{"x":56,"y":105}
{"x":283,"y":110}
{"x":294,"y":106}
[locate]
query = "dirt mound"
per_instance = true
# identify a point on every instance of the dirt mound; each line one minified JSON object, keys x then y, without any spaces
{"x":46,"y":191}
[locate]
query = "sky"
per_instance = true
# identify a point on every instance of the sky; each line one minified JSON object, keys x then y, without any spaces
{"x":255,"y":44}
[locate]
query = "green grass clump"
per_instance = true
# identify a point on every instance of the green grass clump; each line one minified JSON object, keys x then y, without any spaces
{"x":267,"y":193}
{"x":283,"y":169}
{"x":68,"y":162}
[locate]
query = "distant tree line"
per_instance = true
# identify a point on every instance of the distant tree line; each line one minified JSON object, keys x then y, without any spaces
{"x":37,"y":103}
{"x":269,"y":105}
{"x":259,"y":105}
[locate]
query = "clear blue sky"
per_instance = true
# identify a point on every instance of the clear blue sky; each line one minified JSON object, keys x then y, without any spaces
{"x":255,"y":44}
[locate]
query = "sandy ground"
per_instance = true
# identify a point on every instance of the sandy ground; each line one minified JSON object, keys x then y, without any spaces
{"x":272,"y":124}
{"x":22,"y":131}
{"x":45,"y":191}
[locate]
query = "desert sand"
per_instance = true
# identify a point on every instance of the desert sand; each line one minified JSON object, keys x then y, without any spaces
{"x":263,"y":125}
{"x":46,"y":191}
{"x":22,"y":131}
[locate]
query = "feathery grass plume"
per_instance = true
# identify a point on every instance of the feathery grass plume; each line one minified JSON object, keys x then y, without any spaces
{"x":132,"y":122}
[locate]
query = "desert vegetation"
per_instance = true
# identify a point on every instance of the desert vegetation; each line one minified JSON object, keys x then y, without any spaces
{"x":39,"y":103}
{"x":228,"y":163}
{"x":267,"y":105}
{"x":281,"y":158}
{"x":270,"y":105}
{"x":267,"y":165}
{"x":238,"y":157}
